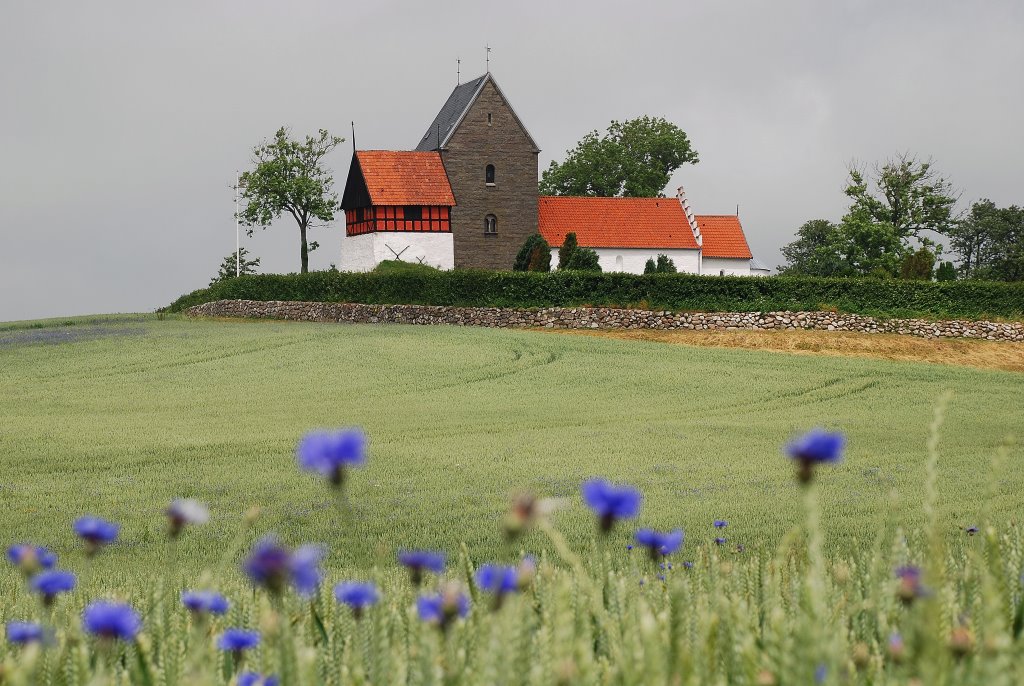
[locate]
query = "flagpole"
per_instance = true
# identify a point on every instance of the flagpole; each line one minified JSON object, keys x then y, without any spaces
{"x":238,"y":244}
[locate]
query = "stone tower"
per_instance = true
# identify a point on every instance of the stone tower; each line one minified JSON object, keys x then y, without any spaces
{"x":491,"y":162}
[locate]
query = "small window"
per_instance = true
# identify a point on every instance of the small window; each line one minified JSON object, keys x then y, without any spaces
{"x":488,"y":118}
{"x":721,"y":272}
{"x":412,"y":213}
{"x":489,"y":174}
{"x":618,"y":263}
{"x":490,"y":224}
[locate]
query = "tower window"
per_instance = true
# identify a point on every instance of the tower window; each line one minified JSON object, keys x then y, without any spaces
{"x":489,"y":174}
{"x":488,"y":118}
{"x":490,"y":224}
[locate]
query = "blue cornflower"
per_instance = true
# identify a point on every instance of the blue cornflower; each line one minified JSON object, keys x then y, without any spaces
{"x":273,"y":566}
{"x":95,"y":532}
{"x":971,"y":530}
{"x":661,"y":577}
{"x":817,"y":446}
{"x":254,"y":679}
{"x":721,"y":523}
{"x":442,"y":608}
{"x":51,"y":582}
{"x":610,"y":502}
{"x":24,"y":632}
{"x":497,"y":579}
{"x":416,"y":561}
{"x":358,"y":595}
{"x":820,"y":673}
{"x":111,"y":620}
{"x":660,"y":543}
{"x":721,"y":541}
{"x":687,"y":565}
{"x":205,"y":602}
{"x":910,"y":587}
{"x":629,"y":546}
{"x":238,"y":640}
{"x":329,"y":453}
{"x":30,"y":558}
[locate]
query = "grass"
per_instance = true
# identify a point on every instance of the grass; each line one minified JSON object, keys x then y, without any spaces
{"x":132,"y":413}
{"x":1003,"y":355}
{"x":117,"y":416}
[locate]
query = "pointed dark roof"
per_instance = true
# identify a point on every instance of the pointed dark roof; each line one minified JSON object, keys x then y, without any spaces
{"x":453,"y":111}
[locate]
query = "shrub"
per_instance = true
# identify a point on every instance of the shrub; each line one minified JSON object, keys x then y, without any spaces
{"x":534,"y":256}
{"x":677,"y":292}
{"x":945,"y":272}
{"x":583,"y":260}
{"x":569,"y":246}
{"x":393,"y":266}
{"x":918,"y":265}
{"x":650,"y":267}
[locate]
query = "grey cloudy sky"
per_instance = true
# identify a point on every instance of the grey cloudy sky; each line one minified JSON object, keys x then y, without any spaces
{"x":122,"y":122}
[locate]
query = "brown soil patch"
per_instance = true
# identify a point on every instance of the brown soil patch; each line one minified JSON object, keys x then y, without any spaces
{"x":969,"y":353}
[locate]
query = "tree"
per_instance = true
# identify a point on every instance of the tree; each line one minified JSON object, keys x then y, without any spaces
{"x":817,"y":251}
{"x":990,"y":242}
{"x":664,"y":265}
{"x":918,"y":265}
{"x":635,"y":158}
{"x":289,"y":176}
{"x":228,"y":265}
{"x":534,"y":256}
{"x":583,"y":260}
{"x":945,"y":272}
{"x":569,"y":246}
{"x":907,"y":194}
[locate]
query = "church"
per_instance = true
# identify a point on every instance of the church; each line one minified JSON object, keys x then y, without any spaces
{"x":466,"y":197}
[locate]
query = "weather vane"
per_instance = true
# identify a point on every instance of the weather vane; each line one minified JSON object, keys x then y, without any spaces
{"x":488,"y":58}
{"x":458,"y":71}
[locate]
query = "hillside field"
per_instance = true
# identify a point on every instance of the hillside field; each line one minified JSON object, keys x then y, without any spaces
{"x":116,"y":416}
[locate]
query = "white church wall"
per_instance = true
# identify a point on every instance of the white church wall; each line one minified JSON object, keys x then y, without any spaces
{"x":714,"y":266}
{"x":633,"y":260}
{"x":364,"y":252}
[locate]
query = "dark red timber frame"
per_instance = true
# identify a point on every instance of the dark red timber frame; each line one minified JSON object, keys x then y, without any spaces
{"x":415,"y":218}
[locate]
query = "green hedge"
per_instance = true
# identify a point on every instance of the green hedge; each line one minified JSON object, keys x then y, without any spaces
{"x":679,"y":292}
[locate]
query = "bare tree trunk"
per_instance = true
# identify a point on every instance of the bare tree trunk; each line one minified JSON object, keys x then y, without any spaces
{"x":305,"y":248}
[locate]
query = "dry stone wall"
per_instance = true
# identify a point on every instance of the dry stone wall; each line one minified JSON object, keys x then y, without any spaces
{"x":603,"y":318}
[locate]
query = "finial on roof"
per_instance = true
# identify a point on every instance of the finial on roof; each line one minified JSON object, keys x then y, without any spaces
{"x":488,"y":57}
{"x":458,"y":71}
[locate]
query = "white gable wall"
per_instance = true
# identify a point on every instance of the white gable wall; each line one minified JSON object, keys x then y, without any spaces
{"x":364,"y":252}
{"x":714,"y":266}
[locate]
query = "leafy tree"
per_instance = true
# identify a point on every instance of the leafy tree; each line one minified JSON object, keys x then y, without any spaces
{"x":534,"y":256}
{"x":817,"y":251}
{"x":918,"y":265}
{"x":227,"y":266}
{"x":635,"y":158}
{"x":905,"y":193}
{"x":869,"y":247}
{"x":990,"y":242}
{"x":583,"y":260}
{"x":289,"y":176}
{"x":945,"y":272}
{"x":569,"y":246}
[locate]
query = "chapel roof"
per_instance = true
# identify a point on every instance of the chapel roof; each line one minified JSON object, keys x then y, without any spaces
{"x":400,"y":177}
{"x":723,"y":236}
{"x":615,"y":222}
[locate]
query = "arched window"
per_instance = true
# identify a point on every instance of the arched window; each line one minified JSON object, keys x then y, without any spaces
{"x":490,"y":224}
{"x":489,"y":174}
{"x":618,"y":263}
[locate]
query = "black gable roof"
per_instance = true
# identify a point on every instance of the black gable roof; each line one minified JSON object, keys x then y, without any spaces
{"x":444,"y":123}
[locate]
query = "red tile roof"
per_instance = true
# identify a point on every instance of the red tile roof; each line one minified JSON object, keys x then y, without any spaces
{"x":398,"y":177}
{"x":723,"y":236}
{"x":615,"y":222}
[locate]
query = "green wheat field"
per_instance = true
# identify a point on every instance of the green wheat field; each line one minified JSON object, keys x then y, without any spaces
{"x":116,"y":416}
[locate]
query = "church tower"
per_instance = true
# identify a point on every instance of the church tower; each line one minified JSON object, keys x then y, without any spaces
{"x":491,"y":162}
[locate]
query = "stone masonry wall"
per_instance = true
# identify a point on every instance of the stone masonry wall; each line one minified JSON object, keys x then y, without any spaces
{"x":603,"y":318}
{"x":512,"y":198}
